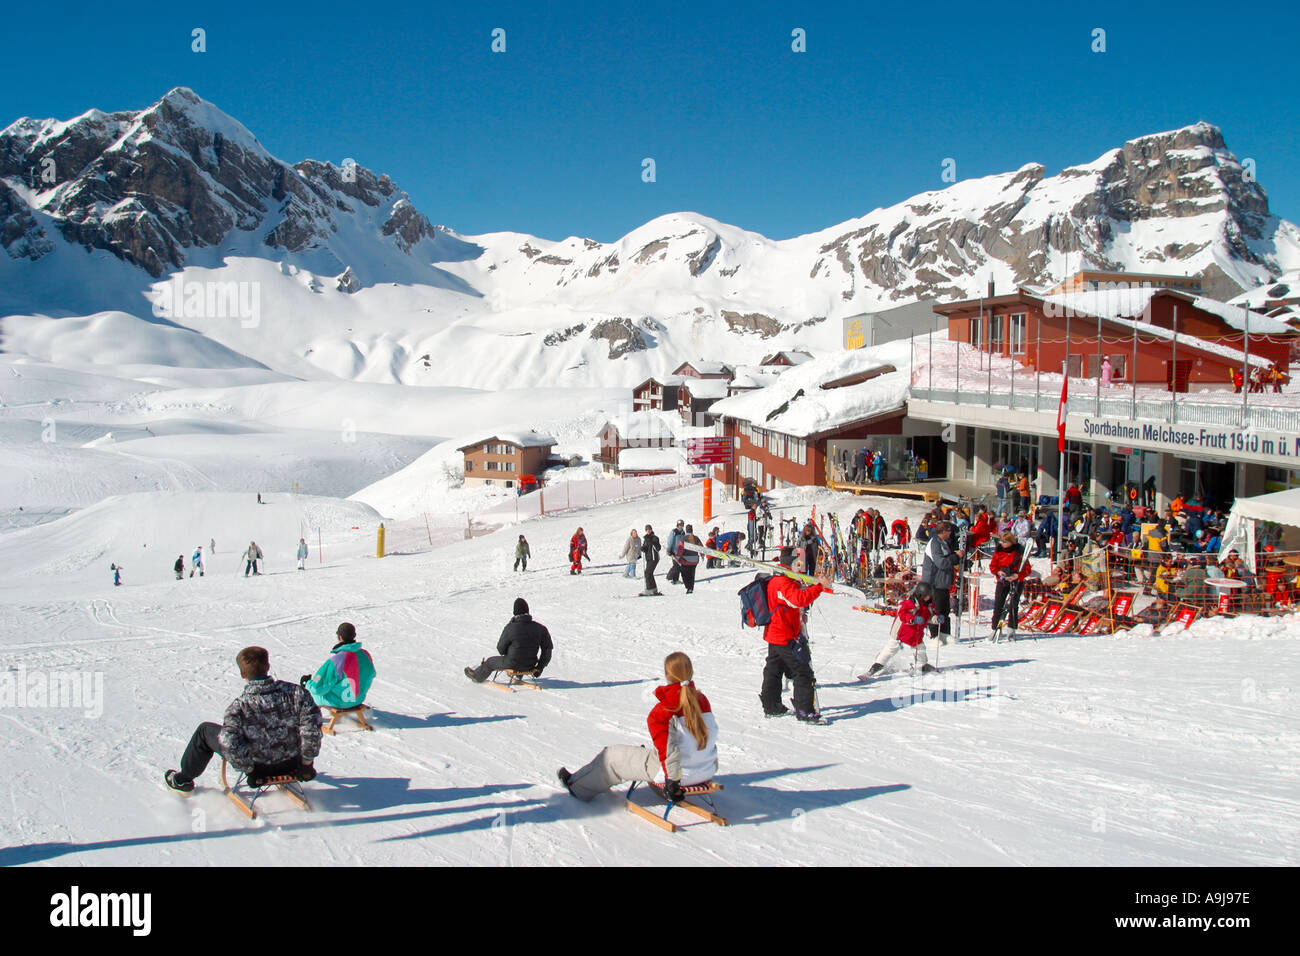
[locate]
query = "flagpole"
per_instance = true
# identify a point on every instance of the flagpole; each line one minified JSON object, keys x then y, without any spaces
{"x":1060,"y":444}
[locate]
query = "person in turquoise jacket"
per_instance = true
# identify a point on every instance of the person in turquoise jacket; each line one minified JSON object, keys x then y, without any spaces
{"x":343,"y":680}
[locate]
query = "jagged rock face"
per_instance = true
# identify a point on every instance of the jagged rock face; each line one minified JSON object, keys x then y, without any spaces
{"x":348,"y":281}
{"x":20,"y":233}
{"x":180,"y":175}
{"x":623,"y":337}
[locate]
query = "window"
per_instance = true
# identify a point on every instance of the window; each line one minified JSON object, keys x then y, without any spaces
{"x":997,"y":324}
{"x":1018,"y":334}
{"x":499,"y":466}
{"x":776,"y":444}
{"x":977,"y":331}
{"x":1018,"y":451}
{"x":469,"y":465}
{"x":1118,"y":367}
{"x":797,"y":450}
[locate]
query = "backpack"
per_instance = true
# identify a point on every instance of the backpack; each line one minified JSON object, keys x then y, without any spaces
{"x":754,"y":609}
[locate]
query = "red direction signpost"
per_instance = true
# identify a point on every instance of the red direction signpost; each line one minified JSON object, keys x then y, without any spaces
{"x":708,"y":451}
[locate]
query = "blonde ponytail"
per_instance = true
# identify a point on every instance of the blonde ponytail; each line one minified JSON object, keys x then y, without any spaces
{"x":678,"y":670}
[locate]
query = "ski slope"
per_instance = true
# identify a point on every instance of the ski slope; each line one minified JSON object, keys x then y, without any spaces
{"x":1156,"y":750}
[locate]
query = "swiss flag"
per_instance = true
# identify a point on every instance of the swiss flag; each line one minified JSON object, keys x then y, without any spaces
{"x":1060,"y":414}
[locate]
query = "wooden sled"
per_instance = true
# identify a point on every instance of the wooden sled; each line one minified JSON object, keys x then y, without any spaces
{"x":287,"y":783}
{"x":358,"y":713}
{"x":514,"y":679}
{"x":704,"y":790}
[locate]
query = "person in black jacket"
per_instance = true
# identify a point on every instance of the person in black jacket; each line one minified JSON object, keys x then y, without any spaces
{"x":650,"y":547}
{"x":525,"y":645}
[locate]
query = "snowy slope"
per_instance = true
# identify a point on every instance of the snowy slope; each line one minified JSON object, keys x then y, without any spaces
{"x":1144,"y":750}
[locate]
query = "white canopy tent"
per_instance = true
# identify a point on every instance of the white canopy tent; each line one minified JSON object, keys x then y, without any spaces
{"x":1281,"y":507}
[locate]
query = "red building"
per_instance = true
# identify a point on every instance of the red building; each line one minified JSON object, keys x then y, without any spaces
{"x":656,"y":394}
{"x":1133,"y":327}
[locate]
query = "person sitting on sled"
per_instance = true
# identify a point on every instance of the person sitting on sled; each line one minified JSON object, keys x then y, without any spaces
{"x":345,"y":677}
{"x":685,"y":737}
{"x":271,"y":729}
{"x":524,"y":645}
{"x":913,"y":615}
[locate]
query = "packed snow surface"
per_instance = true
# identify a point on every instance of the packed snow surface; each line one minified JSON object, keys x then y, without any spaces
{"x":1149,"y":749}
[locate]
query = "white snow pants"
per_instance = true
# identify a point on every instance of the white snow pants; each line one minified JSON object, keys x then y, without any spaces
{"x":612,"y":766}
{"x":894,"y":646}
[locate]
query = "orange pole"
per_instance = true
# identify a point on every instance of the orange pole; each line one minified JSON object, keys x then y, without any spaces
{"x":708,"y":500}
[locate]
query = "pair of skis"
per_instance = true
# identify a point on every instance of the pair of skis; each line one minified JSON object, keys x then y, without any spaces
{"x":763,"y":565}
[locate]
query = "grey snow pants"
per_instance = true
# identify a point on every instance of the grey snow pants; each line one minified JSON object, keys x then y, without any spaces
{"x":612,"y":766}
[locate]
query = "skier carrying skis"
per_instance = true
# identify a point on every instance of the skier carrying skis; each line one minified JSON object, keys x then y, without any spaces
{"x":650,"y":548}
{"x":524,"y":645}
{"x":302,"y":554}
{"x":272,"y":728}
{"x":577,"y":551}
{"x":788,"y":654}
{"x":522,"y":553}
{"x":685,"y":738}
{"x":252,"y":556}
{"x":912,"y":616}
{"x":1009,"y":566}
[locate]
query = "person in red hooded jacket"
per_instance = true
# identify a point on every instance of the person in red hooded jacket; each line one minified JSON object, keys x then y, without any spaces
{"x":1009,"y":567}
{"x":911,"y":618}
{"x":685,"y":739}
{"x":788,"y":654}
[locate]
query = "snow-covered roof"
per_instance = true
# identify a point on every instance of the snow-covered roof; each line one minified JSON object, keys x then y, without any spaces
{"x":793,"y":356}
{"x":706,"y":387}
{"x":665,"y":380}
{"x":795,"y":404}
{"x":524,"y":439}
{"x":708,"y":368}
{"x":1236,"y":317}
{"x":648,"y":424}
{"x":649,"y":459}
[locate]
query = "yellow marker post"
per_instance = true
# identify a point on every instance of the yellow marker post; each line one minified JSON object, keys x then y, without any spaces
{"x":379,"y":546}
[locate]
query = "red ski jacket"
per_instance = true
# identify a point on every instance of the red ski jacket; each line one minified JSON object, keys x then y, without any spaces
{"x":913,"y":616}
{"x":1009,"y":560}
{"x":670,"y":698}
{"x":787,"y":597}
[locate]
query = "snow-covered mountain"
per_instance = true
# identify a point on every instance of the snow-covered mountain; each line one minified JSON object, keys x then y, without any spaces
{"x":119,"y":218}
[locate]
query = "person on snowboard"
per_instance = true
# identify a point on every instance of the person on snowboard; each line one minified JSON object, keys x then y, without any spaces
{"x":685,"y":738}
{"x":272,"y":728}
{"x":577,"y":551}
{"x":524,"y":645}
{"x":788,"y":654}
{"x":345,"y":677}
{"x":252,"y":556}
{"x":522,"y":554}
{"x":912,"y":616}
{"x":650,"y":548}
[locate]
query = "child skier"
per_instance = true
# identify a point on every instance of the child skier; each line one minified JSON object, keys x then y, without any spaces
{"x":913,"y":615}
{"x":302,"y":554}
{"x":577,"y":551}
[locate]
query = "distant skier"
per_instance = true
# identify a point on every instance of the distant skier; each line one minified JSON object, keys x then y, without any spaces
{"x":650,"y":548}
{"x":631,"y":553}
{"x":751,"y":531}
{"x":179,"y":567}
{"x":674,"y":539}
{"x":522,"y":552}
{"x":913,"y":615}
{"x":788,"y":654}
{"x":259,"y":497}
{"x":196,"y":561}
{"x":302,"y":554}
{"x":687,"y":560}
{"x":212,"y":546}
{"x":117,"y":574}
{"x":577,"y":551}
{"x":252,"y":556}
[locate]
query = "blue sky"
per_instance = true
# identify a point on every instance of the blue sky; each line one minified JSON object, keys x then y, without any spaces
{"x":549,"y":137}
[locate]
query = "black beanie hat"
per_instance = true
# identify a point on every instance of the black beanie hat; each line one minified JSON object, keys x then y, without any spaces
{"x":346,"y":632}
{"x":521,"y":606}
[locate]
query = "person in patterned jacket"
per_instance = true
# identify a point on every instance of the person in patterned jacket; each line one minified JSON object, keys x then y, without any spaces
{"x":272,"y":728}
